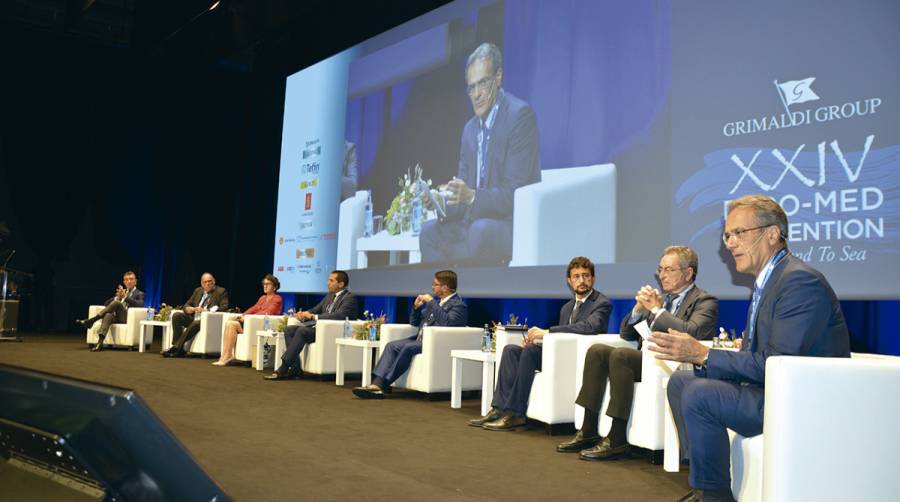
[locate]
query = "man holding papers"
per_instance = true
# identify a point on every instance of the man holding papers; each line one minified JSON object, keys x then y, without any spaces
{"x":793,"y":311}
{"x":682,"y":306}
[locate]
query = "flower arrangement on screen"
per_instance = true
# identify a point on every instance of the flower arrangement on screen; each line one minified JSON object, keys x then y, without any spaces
{"x":361,"y":332}
{"x":399,"y":216}
{"x":726,"y":341}
{"x":165,"y":311}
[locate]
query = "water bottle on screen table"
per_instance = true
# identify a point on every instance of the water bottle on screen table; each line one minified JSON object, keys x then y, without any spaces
{"x":373,"y":333}
{"x":416,"y":211}
{"x":486,"y":340}
{"x":149,"y":313}
{"x":266,"y":323}
{"x":346,"y":327}
{"x":368,"y":223}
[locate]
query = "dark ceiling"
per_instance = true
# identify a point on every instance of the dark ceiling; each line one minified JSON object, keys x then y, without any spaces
{"x":285,"y":35}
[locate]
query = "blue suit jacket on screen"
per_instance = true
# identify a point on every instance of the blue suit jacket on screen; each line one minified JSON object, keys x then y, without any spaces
{"x":453,"y":312}
{"x":513,"y":160}
{"x":799,"y":315}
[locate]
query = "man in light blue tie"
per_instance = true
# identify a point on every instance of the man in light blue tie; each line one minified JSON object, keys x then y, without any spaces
{"x":498,"y":154}
{"x":794,"y":312}
{"x":186,"y":324}
{"x":441,"y":308}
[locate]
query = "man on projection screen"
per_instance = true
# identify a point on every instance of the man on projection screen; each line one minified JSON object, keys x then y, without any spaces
{"x":498,"y":154}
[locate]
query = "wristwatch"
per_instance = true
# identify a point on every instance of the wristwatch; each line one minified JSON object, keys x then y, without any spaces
{"x":702,"y":366}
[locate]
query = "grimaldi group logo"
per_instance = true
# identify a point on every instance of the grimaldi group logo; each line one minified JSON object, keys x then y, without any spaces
{"x":833,"y":191}
{"x":795,"y":92}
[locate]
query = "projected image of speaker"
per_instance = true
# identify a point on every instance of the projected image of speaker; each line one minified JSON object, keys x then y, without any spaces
{"x":94,"y":440}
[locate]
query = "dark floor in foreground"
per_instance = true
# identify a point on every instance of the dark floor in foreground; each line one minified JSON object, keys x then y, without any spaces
{"x":312,"y":440}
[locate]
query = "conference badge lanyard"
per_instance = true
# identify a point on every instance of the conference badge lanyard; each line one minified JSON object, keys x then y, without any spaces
{"x":757,"y":292}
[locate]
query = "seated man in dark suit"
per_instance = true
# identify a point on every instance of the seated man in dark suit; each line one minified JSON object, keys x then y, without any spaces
{"x":685,"y":307}
{"x":116,"y":308}
{"x":498,"y":154}
{"x":441,"y":308}
{"x":793,"y":311}
{"x":338,"y":304}
{"x":186,"y":324}
{"x":585,"y":314}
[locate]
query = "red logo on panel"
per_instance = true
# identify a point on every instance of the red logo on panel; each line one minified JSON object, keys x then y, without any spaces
{"x":308,"y":201}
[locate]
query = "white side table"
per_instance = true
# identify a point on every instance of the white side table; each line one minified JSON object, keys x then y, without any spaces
{"x":148,"y":326}
{"x":367,"y":347}
{"x":487,"y":360}
{"x":394,"y":244}
{"x":267,"y":336}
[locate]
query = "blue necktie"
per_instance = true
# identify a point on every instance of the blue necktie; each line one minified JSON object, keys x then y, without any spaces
{"x":422,"y":326}
{"x":754,"y":305}
{"x":482,"y":155}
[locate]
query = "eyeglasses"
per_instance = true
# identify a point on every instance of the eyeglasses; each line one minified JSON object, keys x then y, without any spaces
{"x":481,"y":85}
{"x":668,"y":270}
{"x":726,"y":236}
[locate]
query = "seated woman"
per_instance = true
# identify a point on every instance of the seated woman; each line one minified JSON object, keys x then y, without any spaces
{"x":268,"y":304}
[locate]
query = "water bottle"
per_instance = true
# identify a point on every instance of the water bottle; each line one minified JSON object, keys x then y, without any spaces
{"x":368,"y":223}
{"x":346,"y":327}
{"x":373,"y":333}
{"x":266,"y":323}
{"x":486,"y":341}
{"x":416,"y":212}
{"x":149,"y":313}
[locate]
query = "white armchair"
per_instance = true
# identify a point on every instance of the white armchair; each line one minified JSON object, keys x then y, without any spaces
{"x":552,"y":392}
{"x":825,"y":419}
{"x":812,"y":405}
{"x":646,"y":424}
{"x":209,"y":339}
{"x":431,"y":371}
{"x":320,"y":357}
{"x":127,"y":334}
{"x":245,"y":347}
{"x":544,"y":232}
{"x":350,"y":228}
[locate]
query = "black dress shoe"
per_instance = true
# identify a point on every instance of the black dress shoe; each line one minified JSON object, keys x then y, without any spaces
{"x":578,"y":443}
{"x":696,"y":495}
{"x":82,"y":322}
{"x":98,"y":347}
{"x":691,"y":496}
{"x":604,"y":451}
{"x":371,"y":391}
{"x":492,"y":415}
{"x":280,"y":374}
{"x":507,"y":422}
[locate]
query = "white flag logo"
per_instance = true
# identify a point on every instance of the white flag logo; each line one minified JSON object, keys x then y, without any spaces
{"x":797,"y":91}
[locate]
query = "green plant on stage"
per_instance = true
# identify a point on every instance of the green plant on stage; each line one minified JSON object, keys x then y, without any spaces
{"x":165,"y":311}
{"x":361,"y":332}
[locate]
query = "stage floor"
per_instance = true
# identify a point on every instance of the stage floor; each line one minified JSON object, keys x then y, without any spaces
{"x":312,"y":440}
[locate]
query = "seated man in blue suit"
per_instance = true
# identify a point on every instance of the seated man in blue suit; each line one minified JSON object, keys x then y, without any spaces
{"x":498,"y":154}
{"x":585,"y":314}
{"x":338,"y":304}
{"x":441,"y":308}
{"x":116,"y":308}
{"x":793,"y":311}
